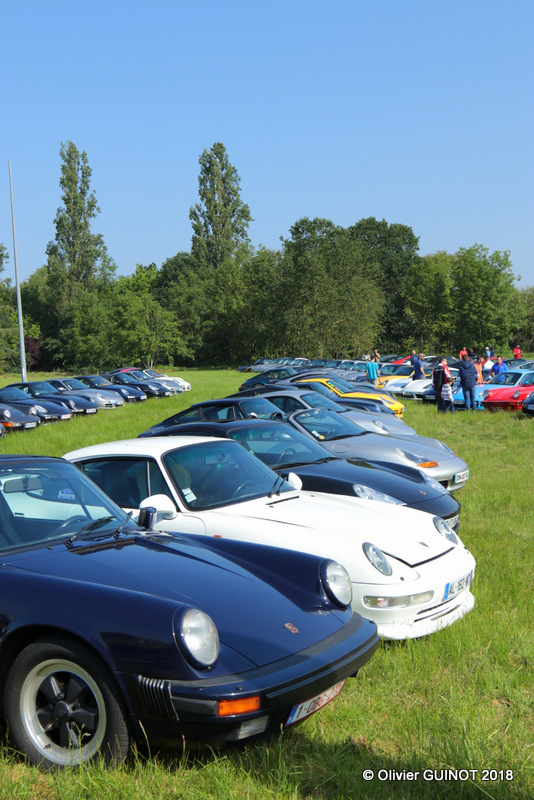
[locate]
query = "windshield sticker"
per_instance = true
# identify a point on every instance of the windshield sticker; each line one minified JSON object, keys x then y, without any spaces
{"x":189,"y":495}
{"x":65,"y":494}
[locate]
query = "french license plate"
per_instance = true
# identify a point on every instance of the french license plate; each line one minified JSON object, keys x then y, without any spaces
{"x":460,"y":477}
{"x":65,"y":416}
{"x":530,"y":405}
{"x":455,"y":587}
{"x":30,"y":424}
{"x":143,"y":397}
{"x":303,"y":710}
{"x":90,"y":410}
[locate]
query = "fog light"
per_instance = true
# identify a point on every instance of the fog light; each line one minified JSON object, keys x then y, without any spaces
{"x":398,"y":602}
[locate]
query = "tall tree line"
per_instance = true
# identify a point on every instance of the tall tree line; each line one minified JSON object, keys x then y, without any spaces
{"x":328,"y":290}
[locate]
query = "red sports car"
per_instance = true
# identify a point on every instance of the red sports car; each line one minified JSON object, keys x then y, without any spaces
{"x":509,"y":397}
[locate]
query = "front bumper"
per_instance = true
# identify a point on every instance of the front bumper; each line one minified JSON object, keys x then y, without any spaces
{"x":421,"y":620}
{"x":169,"y":710}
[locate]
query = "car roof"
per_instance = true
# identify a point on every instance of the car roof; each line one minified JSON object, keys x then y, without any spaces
{"x":154,"y":446}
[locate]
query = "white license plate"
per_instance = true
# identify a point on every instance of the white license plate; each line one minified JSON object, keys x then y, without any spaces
{"x":304,"y":710}
{"x":65,"y":416}
{"x":455,"y":587}
{"x":530,"y":405}
{"x":460,"y":477}
{"x":30,"y":424}
{"x":143,"y":397}
{"x":90,"y":410}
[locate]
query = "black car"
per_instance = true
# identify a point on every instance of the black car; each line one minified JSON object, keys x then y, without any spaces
{"x":112,"y":633}
{"x":228,"y":408}
{"x":128,"y":393}
{"x":13,"y":419}
{"x":285,"y":450}
{"x":42,"y":389}
{"x":150,"y":388}
{"x":269,"y":376}
{"x":46,"y":410}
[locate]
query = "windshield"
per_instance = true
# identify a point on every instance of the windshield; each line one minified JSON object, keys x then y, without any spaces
{"x":41,"y":501}
{"x":73,"y":383}
{"x":12,"y":394}
{"x":320,"y":388}
{"x":43,"y":387}
{"x":506,"y":378}
{"x":127,"y":378}
{"x":279,"y":445}
{"x":319,"y":400}
{"x":325,"y":425}
{"x":527,"y":380}
{"x":218,"y":473}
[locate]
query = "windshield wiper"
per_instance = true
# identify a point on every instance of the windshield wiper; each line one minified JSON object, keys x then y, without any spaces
{"x":96,"y":523}
{"x":279,"y":480}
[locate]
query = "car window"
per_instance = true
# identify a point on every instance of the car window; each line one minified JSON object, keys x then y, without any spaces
{"x":286,"y":404}
{"x":127,"y":480}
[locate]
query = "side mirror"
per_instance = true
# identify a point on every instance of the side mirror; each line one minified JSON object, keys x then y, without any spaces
{"x":294,"y":481}
{"x":162,"y":504}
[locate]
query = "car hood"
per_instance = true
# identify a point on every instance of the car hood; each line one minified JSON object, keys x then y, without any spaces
{"x":250,"y":614}
{"x":331,"y":525}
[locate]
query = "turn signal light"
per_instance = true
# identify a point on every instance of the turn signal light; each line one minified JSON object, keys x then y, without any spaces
{"x":428,"y":464}
{"x":244,"y":705}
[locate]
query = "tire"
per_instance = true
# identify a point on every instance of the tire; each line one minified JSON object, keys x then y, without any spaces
{"x":62,"y":706}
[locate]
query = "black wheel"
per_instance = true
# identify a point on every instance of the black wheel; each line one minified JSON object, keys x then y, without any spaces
{"x":62,"y":706}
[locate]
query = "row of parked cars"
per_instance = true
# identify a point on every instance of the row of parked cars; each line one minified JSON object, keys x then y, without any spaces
{"x":511,"y":390}
{"x":27,"y":404}
{"x":223,"y":574}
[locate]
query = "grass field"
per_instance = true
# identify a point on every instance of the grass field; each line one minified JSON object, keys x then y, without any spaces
{"x":461,"y":700}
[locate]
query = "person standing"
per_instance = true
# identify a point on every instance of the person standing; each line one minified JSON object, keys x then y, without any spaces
{"x":373,"y":373}
{"x":487,"y":351}
{"x":440,"y":375}
{"x":479,"y":367}
{"x":377,"y":356}
{"x":418,"y":370}
{"x":517,"y":351}
{"x":366,"y":356}
{"x":500,"y":366}
{"x":447,"y":399}
{"x":468,"y":377}
{"x":463,"y":352}
{"x":413,"y":357}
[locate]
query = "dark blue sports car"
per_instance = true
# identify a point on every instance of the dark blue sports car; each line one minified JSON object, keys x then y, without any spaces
{"x":42,"y":389}
{"x":111,"y":632}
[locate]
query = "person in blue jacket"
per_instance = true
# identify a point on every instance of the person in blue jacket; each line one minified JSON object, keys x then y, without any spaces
{"x":499,"y":366}
{"x":467,"y":372}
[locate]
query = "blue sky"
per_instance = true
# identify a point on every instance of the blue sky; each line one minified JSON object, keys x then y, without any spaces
{"x":419,"y":112}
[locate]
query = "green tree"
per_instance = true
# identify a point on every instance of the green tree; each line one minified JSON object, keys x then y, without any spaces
{"x":428,"y":303}
{"x":331,"y":304}
{"x":76,"y":257}
{"x":482,"y":297}
{"x":391,"y":251}
{"x":220,"y":220}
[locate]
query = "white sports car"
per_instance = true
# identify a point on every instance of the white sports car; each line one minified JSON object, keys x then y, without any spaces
{"x":410,"y":572}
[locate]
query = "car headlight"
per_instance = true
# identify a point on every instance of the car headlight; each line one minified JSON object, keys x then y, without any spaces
{"x":443,"y":527}
{"x":38,"y":410}
{"x":101,"y":397}
{"x":419,"y":461}
{"x":529,"y":397}
{"x":6,"y":413}
{"x":154,"y":388}
{"x":124,"y":392}
{"x":377,"y":558}
{"x":485,"y":394}
{"x":366,"y":493}
{"x":337,"y":583}
{"x":198,"y":638}
{"x":516,"y":394}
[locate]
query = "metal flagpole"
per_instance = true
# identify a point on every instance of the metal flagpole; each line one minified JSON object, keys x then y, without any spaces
{"x":19,"y":302}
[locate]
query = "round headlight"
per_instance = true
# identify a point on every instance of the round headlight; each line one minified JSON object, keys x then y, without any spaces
{"x":7,"y":413}
{"x":337,"y":583}
{"x":377,"y":558}
{"x":39,"y":409}
{"x":516,"y":394}
{"x":411,"y":457}
{"x":124,"y":392}
{"x":443,"y":527}
{"x":199,"y":638}
{"x":367,"y":493}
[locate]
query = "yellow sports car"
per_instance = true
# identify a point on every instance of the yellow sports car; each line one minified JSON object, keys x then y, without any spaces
{"x":389,"y":372}
{"x":342,"y":389}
